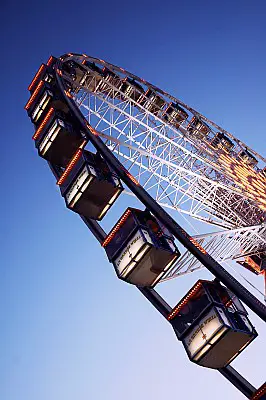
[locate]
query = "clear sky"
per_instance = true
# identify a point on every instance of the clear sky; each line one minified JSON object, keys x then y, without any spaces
{"x":69,"y":328}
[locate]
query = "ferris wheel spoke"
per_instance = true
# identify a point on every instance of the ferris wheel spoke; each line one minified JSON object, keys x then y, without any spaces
{"x":187,"y":164}
{"x":224,"y":246}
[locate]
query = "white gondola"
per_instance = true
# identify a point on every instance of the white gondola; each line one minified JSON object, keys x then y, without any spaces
{"x":88,"y":185}
{"x":57,"y":138}
{"x":221,"y":141}
{"x":247,"y":158}
{"x":110,"y":82}
{"x":153,"y":102}
{"x":212,"y":324}
{"x":42,"y":99}
{"x":74,"y":71}
{"x":175,"y":115}
{"x":197,"y":128}
{"x":92,"y":78}
{"x":131,"y":89}
{"x":140,"y":249}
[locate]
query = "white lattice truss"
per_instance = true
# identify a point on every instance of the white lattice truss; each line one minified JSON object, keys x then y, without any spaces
{"x":223,"y":246}
{"x":165,"y":161}
{"x":177,"y":173}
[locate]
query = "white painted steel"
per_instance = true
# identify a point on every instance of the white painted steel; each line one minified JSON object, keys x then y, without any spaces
{"x":179,"y":170}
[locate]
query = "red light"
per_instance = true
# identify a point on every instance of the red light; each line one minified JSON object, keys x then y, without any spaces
{"x":229,"y":303}
{"x":83,"y":144}
{"x":246,"y":178}
{"x":194,"y":241}
{"x":184,"y":301}
{"x":34,"y":94}
{"x":36,"y":77}
{"x":68,"y":94}
{"x":128,"y":174}
{"x":93,"y":131}
{"x":50,"y":60}
{"x":260,"y":392}
{"x":39,"y":130}
{"x":71,"y":164}
{"x":116,"y":228}
{"x":132,"y":178}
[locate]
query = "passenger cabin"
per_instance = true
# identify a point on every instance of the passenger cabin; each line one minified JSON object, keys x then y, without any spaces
{"x":42,"y":99}
{"x":74,"y":70}
{"x":88,"y":185}
{"x":221,"y":141}
{"x":255,"y":263}
{"x":247,"y":158}
{"x":131,"y":89}
{"x":44,"y":73}
{"x":212,"y":324}
{"x":198,"y":128}
{"x":175,"y":115}
{"x":140,"y":248}
{"x":57,"y":138}
{"x":153,"y":101}
{"x":110,"y":79}
{"x":69,"y":68}
{"x":92,"y":79}
{"x":51,"y":61}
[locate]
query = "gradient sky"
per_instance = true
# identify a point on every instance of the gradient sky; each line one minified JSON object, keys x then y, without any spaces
{"x":69,"y":328}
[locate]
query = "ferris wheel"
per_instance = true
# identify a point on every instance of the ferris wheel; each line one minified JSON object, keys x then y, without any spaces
{"x":184,"y":160}
{"x":152,"y":145}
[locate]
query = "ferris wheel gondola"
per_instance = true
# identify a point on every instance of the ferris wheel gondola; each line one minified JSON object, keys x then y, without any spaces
{"x":169,"y":156}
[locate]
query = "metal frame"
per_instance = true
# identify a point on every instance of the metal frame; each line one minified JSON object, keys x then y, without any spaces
{"x":223,"y":246}
{"x":192,"y":244}
{"x":166,"y":163}
{"x":117,"y":116}
{"x":179,"y":174}
{"x":164,"y":308}
{"x":184,"y":238}
{"x":180,"y":234}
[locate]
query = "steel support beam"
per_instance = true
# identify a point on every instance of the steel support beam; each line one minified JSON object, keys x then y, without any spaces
{"x":184,"y":238}
{"x":155,"y":299}
{"x":164,"y":309}
{"x":238,"y":381}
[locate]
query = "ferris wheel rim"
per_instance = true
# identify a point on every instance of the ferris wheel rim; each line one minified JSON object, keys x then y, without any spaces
{"x":99,"y":233}
{"x":87,"y":124}
{"x":226,"y":187}
{"x":179,"y":233}
{"x":67,"y":56}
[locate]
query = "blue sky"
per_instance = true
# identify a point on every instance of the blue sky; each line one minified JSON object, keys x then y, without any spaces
{"x":70,"y":328}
